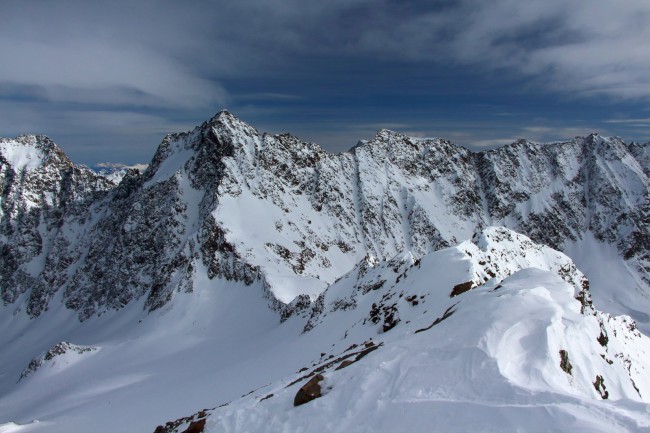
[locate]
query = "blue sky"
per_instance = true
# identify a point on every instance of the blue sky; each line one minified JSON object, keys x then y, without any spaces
{"x":106,"y":80}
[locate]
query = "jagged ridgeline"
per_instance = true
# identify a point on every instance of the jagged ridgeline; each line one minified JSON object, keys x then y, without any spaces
{"x":226,"y":201}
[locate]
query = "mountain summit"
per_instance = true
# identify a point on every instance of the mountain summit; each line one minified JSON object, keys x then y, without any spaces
{"x":406,"y":284}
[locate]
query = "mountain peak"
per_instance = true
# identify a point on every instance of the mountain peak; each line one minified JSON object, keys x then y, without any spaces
{"x":221,"y":116}
{"x":28,"y":152}
{"x":388,"y":136}
{"x":225,"y":119}
{"x":366,"y":251}
{"x":595,"y":138}
{"x":392,"y":194}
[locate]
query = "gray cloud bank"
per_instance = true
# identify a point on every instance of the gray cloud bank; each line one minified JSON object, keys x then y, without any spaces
{"x":162,"y":58}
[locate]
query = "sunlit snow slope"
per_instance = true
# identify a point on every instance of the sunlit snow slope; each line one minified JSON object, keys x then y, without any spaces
{"x":517,"y":355}
{"x":468,"y":338}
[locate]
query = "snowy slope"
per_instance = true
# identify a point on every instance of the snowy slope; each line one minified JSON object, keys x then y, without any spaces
{"x":19,"y":156}
{"x":493,"y":365}
{"x":490,"y":359}
{"x":485,"y":359}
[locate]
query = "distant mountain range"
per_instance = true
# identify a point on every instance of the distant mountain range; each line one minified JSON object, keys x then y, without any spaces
{"x":433,"y":272}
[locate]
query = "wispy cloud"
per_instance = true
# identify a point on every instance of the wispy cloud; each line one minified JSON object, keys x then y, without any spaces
{"x":379,"y":125}
{"x":645,"y":121}
{"x":89,"y":136}
{"x":75,"y":53}
{"x":592,"y":48}
{"x":164,"y":52}
{"x":540,"y":134}
{"x":557,"y":132}
{"x":269,"y":96}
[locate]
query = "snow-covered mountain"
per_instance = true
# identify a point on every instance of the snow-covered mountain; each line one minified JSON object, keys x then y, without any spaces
{"x":250,"y":254}
{"x":115,"y":172}
{"x":44,"y":198}
{"x":250,"y":205}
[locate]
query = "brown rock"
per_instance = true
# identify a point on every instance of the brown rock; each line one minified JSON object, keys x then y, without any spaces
{"x":344,"y":364}
{"x":309,"y":391}
{"x":461,"y":288}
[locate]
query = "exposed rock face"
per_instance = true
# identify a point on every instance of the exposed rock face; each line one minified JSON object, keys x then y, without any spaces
{"x":57,"y":351}
{"x":44,"y":204}
{"x":195,"y":423}
{"x":228,"y":201}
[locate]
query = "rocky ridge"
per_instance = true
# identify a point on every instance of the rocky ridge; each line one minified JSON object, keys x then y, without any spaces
{"x":233,"y":203}
{"x":59,"y":351}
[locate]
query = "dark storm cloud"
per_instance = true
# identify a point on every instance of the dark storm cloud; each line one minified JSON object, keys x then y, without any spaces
{"x":154,"y":65}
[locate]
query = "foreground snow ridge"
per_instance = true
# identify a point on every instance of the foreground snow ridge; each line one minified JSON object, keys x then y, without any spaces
{"x":497,"y":333}
{"x":520,"y":348}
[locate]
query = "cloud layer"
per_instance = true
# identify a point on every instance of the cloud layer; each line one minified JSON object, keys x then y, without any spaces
{"x":166,"y":52}
{"x":176,"y":62}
